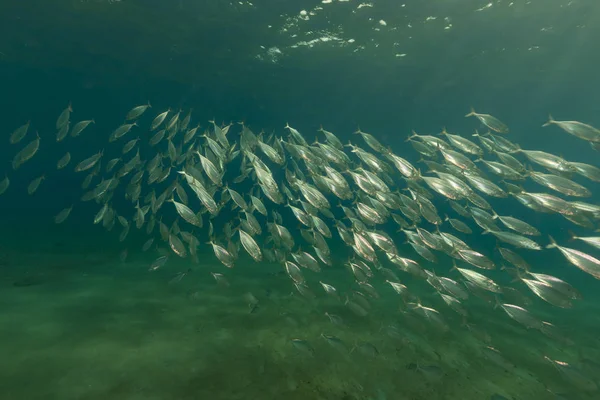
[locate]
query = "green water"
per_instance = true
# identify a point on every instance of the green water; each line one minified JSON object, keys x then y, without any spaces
{"x":82,"y":319}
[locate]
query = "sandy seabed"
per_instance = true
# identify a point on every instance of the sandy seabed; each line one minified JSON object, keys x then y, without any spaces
{"x":78,"y":326}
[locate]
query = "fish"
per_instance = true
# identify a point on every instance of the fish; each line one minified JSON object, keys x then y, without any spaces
{"x":250,"y":245}
{"x":581,"y":260}
{"x":80,"y":126}
{"x":490,"y":121}
{"x":89,"y":162}
{"x":33,"y":186}
{"x":121,"y":131}
{"x":558,"y":284}
{"x":459,"y":225}
{"x":591,"y":240}
{"x":514,"y":258}
{"x":177,"y":245}
{"x":63,"y":132}
{"x":522,"y":316}
{"x":64,"y":161}
{"x":26,"y":153}
{"x":517,"y":225}
{"x":224,"y":256}
{"x":63,"y":118}
{"x":515,"y":240}
{"x":63,"y":215}
{"x":186,"y":213}
{"x":158,"y":120}
{"x":547,"y":293}
{"x":573,"y":375}
{"x":137,"y":112}
{"x":462,"y":144}
{"x":4,"y":184}
{"x":479,"y":280}
{"x":19,"y":133}
{"x":548,"y":160}
{"x":560,"y":184}
{"x":476,"y":259}
{"x":577,"y":129}
{"x":158,"y":263}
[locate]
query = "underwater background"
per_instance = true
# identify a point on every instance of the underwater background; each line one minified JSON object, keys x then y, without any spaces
{"x":83,"y":320}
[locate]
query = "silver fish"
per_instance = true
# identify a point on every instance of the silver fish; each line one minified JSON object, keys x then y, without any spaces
{"x":250,"y":246}
{"x":577,"y":129}
{"x":490,"y":121}
{"x":515,"y":240}
{"x":581,"y":260}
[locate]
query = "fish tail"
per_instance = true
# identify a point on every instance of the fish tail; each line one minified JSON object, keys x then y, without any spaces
{"x":550,"y":120}
{"x":454,"y":266}
{"x":412,"y":135}
{"x":572,"y":236}
{"x":472,"y":113}
{"x":320,"y":128}
{"x":497,"y":301}
{"x":552,"y":244}
{"x":443,"y":132}
{"x":358,"y":131}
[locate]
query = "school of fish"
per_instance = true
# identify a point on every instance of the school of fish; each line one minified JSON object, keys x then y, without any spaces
{"x":287,"y":202}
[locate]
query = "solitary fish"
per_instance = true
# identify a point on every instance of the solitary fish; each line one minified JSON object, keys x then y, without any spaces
{"x":33,"y":186}
{"x":63,"y":215}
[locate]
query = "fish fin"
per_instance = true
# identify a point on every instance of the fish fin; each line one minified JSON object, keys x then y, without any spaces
{"x":497,"y":301}
{"x":552,"y":244}
{"x":470,"y":114}
{"x":412,"y":135}
{"x":550,"y":121}
{"x":454,"y":266}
